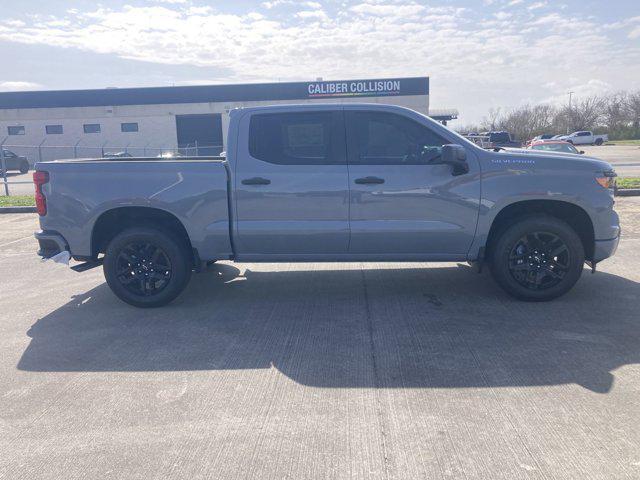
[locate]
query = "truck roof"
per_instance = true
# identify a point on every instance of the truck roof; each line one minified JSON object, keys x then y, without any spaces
{"x":322,"y":106}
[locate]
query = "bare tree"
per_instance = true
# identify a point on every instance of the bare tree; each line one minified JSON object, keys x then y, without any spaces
{"x":619,"y":113}
{"x":632,"y":106}
{"x":490,"y":122}
{"x":615,"y":114}
{"x":584,"y":114}
{"x":524,"y":122}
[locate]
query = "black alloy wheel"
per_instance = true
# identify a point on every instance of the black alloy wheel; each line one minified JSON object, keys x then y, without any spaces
{"x":143,"y":269}
{"x":539,"y":260}
{"x":147,"y":267}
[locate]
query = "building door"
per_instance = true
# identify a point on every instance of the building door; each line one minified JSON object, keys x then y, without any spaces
{"x":200,"y":134}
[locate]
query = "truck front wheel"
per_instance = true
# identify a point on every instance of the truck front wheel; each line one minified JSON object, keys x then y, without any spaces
{"x":146,"y":267}
{"x":538,"y":258}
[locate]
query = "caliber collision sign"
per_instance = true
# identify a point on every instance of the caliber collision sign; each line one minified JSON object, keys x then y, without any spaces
{"x":355,"y":88}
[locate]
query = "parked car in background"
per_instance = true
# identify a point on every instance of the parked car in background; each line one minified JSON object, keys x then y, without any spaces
{"x":502,"y":139}
{"x":334,"y":182}
{"x":15,"y":162}
{"x":117,"y":155}
{"x":544,"y":136}
{"x":555,"y":146}
{"x":584,"y":137}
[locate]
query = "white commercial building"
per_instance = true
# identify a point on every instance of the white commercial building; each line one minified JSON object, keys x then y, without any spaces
{"x":146,"y":121}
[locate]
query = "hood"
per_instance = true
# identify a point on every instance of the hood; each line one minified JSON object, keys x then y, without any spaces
{"x":551,"y":160}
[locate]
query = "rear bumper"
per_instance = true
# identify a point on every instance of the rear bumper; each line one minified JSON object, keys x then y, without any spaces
{"x":605,"y":248}
{"x":50,"y":244}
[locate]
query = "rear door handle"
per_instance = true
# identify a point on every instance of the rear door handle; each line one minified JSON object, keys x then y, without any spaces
{"x":369,"y":180}
{"x":256,"y":181}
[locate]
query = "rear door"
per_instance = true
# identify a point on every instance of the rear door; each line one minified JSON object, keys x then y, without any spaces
{"x":291,"y":184}
{"x":401,"y":205}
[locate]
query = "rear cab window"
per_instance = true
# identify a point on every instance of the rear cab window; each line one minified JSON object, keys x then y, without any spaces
{"x":300,"y":138}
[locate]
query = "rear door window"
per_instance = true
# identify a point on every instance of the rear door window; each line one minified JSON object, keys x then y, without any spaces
{"x":302,"y":138}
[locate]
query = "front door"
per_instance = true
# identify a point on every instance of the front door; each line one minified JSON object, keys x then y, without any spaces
{"x":400,"y":203}
{"x":291,"y":185}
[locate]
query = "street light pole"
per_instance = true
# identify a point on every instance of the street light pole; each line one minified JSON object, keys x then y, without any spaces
{"x":570,"y":111}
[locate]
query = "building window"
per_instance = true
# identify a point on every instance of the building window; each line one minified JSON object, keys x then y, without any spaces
{"x":91,"y":128}
{"x":53,"y":129}
{"x":129,"y":127}
{"x":16,"y":130}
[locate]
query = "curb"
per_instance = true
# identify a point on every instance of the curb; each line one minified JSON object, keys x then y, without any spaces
{"x":18,"y":210}
{"x":628,"y":192}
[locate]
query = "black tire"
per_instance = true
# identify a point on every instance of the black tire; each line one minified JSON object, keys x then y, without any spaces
{"x":146,"y":267}
{"x":538,"y":248}
{"x":599,"y":141}
{"x":24,"y":167}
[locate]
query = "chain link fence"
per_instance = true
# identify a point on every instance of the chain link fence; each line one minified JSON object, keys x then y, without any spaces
{"x":17,"y":160}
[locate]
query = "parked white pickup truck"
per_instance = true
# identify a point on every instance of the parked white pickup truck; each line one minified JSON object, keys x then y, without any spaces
{"x":584,"y":137}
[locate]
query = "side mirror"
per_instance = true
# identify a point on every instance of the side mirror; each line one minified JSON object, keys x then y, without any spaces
{"x":455,"y":156}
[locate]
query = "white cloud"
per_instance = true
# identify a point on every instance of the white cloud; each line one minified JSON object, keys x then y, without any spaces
{"x":277,"y":3}
{"x":537,"y":5}
{"x":312,"y":14}
{"x":14,"y":85}
{"x":502,"y":15}
{"x":475,"y":59}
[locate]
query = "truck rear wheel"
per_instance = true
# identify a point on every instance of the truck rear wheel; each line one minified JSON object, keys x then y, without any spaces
{"x":24,"y":167}
{"x":539,"y":258}
{"x":146,"y":267}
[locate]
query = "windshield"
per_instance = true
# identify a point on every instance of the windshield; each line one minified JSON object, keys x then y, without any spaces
{"x":556,"y":147}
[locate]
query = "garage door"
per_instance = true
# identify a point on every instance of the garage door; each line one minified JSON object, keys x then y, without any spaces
{"x":199,"y":134}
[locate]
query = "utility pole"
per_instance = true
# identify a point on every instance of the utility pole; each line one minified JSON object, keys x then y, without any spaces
{"x":570,"y":111}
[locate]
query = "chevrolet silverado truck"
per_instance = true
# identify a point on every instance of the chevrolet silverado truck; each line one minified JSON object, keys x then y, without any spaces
{"x":330,"y":183}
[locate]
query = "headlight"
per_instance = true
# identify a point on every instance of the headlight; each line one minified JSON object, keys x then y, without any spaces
{"x":607,"y":179}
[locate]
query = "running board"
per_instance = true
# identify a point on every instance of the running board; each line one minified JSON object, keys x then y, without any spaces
{"x":83,"y":267}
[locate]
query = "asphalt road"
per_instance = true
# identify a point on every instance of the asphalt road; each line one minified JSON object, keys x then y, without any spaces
{"x":624,"y":158}
{"x":318,"y":371}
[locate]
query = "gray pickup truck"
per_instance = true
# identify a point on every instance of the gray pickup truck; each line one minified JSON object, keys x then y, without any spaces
{"x":331,"y":183}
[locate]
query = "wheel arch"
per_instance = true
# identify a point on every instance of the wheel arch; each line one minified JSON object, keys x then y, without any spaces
{"x":574,"y":215}
{"x":115,"y":220}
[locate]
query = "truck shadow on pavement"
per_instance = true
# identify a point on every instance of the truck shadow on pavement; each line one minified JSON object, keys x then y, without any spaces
{"x":380,"y":328}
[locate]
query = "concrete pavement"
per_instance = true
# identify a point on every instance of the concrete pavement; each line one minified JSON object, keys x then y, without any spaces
{"x":318,"y":371}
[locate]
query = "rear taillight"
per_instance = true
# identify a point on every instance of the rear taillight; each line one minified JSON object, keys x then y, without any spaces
{"x":39,"y":179}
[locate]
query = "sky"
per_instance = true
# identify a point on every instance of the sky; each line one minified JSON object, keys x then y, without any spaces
{"x":478,"y":54}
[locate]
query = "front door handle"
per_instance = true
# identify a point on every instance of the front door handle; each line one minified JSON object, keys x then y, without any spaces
{"x":256,"y":181}
{"x":369,"y":180}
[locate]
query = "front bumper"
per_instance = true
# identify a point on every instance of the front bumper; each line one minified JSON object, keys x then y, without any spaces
{"x":50,"y":243}
{"x":605,"y":248}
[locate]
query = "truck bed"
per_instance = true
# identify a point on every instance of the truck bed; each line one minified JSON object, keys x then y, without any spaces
{"x":194,"y":190}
